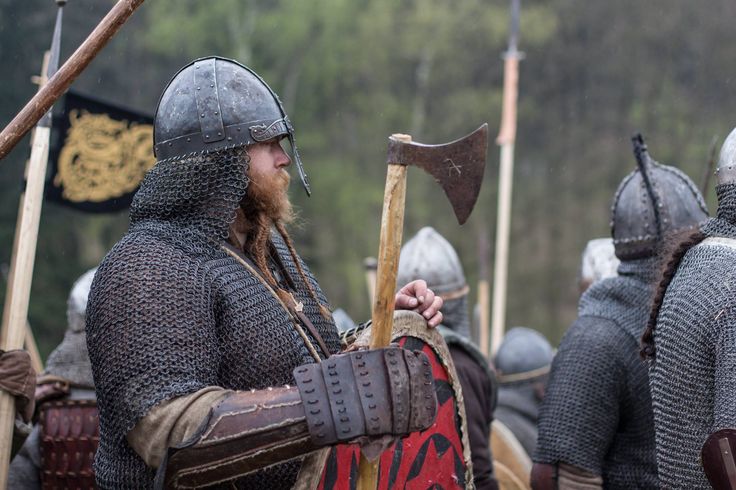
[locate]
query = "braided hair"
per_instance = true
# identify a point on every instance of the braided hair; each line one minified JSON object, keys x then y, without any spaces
{"x":678,"y":245}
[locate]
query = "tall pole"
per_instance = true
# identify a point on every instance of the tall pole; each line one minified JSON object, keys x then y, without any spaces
{"x":506,"y":139}
{"x":483,"y":294}
{"x":15,"y":322}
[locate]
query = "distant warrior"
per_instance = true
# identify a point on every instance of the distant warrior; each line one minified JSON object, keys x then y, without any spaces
{"x":691,"y":344}
{"x":60,"y":450}
{"x":596,"y":426}
{"x":215,"y":358}
{"x":522,"y":365}
{"x":429,"y":256}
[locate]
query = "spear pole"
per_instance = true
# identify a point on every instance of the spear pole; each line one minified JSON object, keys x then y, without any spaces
{"x":506,"y":140}
{"x":15,"y":313}
{"x":481,"y":335}
{"x":57,"y":85}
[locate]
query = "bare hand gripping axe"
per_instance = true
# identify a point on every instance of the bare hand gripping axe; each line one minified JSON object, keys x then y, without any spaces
{"x":458,"y":168}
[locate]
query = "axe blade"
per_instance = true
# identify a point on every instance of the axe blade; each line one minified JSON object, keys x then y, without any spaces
{"x":457,"y":166}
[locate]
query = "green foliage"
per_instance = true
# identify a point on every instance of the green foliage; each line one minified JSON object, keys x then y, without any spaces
{"x":351,"y":72}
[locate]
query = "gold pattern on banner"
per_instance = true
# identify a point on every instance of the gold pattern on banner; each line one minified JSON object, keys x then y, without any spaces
{"x":103,"y":158}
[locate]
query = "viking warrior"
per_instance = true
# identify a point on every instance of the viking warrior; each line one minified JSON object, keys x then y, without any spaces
{"x":522,"y":365}
{"x":214,"y":355}
{"x":596,"y":424}
{"x":60,"y":450}
{"x":429,"y":256}
{"x":690,"y":341}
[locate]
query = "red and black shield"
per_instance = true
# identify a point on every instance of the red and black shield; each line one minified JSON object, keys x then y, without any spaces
{"x":430,"y":459}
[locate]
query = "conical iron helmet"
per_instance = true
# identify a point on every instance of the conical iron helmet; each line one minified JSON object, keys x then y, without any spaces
{"x":652,"y":202}
{"x":430,"y":257}
{"x":216,"y":103}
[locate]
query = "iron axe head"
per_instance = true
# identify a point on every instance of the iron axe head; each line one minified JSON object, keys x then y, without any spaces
{"x":457,"y":166}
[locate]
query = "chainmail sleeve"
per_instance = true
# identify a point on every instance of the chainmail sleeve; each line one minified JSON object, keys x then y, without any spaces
{"x":724,"y":415}
{"x":151,"y":336}
{"x":580,"y":411}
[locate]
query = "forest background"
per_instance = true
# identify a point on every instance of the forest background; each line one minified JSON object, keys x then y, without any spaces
{"x":351,"y":72}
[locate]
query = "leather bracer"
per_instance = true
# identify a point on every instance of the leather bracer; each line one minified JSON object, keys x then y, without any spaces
{"x":348,"y":396}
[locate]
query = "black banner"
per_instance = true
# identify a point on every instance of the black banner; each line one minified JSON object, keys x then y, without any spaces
{"x":101,"y":154}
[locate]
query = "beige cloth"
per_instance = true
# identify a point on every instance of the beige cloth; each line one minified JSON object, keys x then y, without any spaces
{"x":173,"y":422}
{"x":573,"y":478}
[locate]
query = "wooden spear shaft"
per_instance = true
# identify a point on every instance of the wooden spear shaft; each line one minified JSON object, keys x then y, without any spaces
{"x":60,"y":82}
{"x":506,"y":139}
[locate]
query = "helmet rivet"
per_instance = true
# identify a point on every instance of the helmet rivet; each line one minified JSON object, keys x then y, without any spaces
{"x":216,"y":113}
{"x":199,"y":88}
{"x":202,"y":115}
{"x":229,"y":138}
{"x":238,"y":129}
{"x":171,"y":144}
{"x":206,"y":136}
{"x":219,"y":133}
{"x":212,"y":84}
{"x":189,"y":139}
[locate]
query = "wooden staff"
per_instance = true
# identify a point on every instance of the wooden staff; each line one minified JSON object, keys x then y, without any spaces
{"x":60,"y":82}
{"x":483,"y":294}
{"x":506,"y":139}
{"x":15,"y":316}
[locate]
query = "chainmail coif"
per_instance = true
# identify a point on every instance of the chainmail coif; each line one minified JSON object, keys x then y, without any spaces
{"x":171,"y":313}
{"x":597,"y":413}
{"x":693,"y":376}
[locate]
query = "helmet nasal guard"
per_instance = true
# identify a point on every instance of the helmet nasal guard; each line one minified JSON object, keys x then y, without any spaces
{"x":216,"y":103}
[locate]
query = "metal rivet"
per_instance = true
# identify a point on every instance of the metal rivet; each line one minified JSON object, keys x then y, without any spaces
{"x":229,"y":138}
{"x":216,"y":113}
{"x":206,"y":136}
{"x":188,"y":140}
{"x":202,"y":115}
{"x":199,"y":88}
{"x":344,"y":419}
{"x":218,"y":133}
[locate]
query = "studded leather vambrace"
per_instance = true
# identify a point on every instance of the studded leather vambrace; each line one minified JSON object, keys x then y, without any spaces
{"x":387,"y":391}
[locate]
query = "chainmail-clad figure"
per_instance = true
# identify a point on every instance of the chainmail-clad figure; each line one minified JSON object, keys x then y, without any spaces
{"x":64,"y":392}
{"x":596,"y":426}
{"x":691,"y":344}
{"x":522,"y":365}
{"x":214,"y":354}
{"x":429,"y":256}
